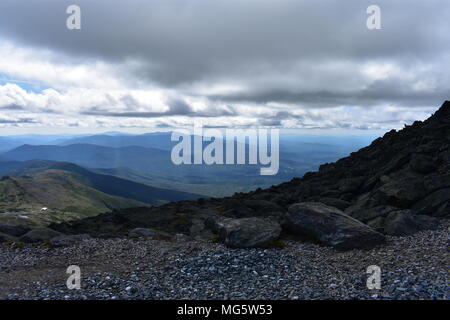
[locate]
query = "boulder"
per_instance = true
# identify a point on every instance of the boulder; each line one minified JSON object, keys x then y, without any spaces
{"x":435,"y":204}
{"x":262,"y":206}
{"x":39,"y":235}
{"x":237,"y":208}
{"x":212,"y":223}
{"x":401,"y":193}
{"x":149,"y":233}
{"x":368,"y":214}
{"x":405,"y":223}
{"x":332,"y":202}
{"x":434,"y":182}
{"x":199,"y":230}
{"x":15,"y":231}
{"x":247,"y":232}
{"x":6,"y":237}
{"x":330,"y":226}
{"x":66,"y":241}
{"x":351,"y":184}
{"x":422,"y":164}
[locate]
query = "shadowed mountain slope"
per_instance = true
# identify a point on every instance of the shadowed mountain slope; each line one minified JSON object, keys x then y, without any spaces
{"x":105,"y":183}
{"x":57,"y":190}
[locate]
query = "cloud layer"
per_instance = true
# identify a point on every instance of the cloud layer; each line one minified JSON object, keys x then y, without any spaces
{"x":287,"y":63}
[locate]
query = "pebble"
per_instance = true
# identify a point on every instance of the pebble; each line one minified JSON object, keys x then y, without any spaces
{"x":413,"y":267}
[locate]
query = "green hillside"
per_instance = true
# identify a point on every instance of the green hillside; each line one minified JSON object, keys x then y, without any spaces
{"x":63,"y":193}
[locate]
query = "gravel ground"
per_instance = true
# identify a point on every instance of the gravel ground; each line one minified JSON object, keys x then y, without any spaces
{"x":415,"y":267}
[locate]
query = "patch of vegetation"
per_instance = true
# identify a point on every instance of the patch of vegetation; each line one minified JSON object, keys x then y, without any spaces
{"x":277,"y":244}
{"x":215,"y":240}
{"x":180,"y":220}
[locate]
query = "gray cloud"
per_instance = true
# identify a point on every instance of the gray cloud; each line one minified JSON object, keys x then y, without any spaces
{"x":13,"y":107}
{"x":301,"y":54}
{"x":177,"y":107}
{"x":18,"y":121}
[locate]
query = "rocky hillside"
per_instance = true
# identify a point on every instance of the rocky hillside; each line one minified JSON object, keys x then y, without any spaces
{"x":398,"y":185}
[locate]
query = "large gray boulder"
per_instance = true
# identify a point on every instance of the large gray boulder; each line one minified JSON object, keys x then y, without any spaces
{"x":39,"y":235}
{"x":330,"y":226}
{"x":246,"y":232}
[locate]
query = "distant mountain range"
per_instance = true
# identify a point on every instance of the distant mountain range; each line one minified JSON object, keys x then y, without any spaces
{"x":145,"y":159}
{"x":158,"y":140}
{"x":116,"y":170}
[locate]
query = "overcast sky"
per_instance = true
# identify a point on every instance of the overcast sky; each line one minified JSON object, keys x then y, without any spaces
{"x":150,"y":65}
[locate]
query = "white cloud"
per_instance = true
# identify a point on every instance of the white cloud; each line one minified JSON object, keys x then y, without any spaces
{"x":290,"y":64}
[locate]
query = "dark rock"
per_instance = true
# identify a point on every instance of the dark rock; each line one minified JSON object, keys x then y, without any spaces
{"x":212,"y":223}
{"x":436,"y":204}
{"x":199,"y":230}
{"x":330,"y":226}
{"x":402,"y":193}
{"x":66,"y":241}
{"x":14,"y":230}
{"x":332,"y":202}
{"x":262,"y":206}
{"x":6,"y":237}
{"x":367,"y":214}
{"x":405,"y":223}
{"x":237,"y":208}
{"x":437,"y":181}
{"x":422,"y":164}
{"x":148,"y":233}
{"x":39,"y":235}
{"x":377,"y":224}
{"x":350,"y":184}
{"x":247,"y":232}
{"x":331,"y":194}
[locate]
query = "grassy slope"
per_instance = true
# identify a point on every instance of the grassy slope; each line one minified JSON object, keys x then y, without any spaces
{"x":62,"y":192}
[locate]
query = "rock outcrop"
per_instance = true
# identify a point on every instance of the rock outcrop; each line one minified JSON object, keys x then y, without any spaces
{"x":246,"y":232}
{"x":404,"y":223}
{"x":330,"y":226}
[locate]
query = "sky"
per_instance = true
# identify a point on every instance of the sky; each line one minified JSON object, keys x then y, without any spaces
{"x":151,"y":65}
